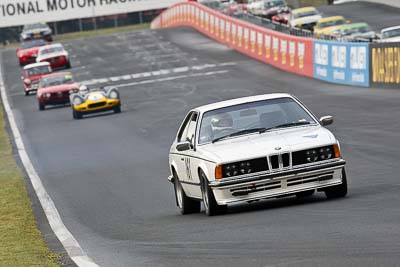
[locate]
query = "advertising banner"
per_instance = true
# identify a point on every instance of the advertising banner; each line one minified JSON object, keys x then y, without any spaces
{"x":385,"y":64}
{"x":19,"y":12}
{"x":344,"y":63}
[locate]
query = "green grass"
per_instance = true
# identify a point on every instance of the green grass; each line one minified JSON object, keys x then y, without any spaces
{"x":75,"y":35}
{"x":21,"y":243}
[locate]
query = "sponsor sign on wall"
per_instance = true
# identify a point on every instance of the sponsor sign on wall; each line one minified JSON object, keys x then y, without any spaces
{"x":338,"y":62}
{"x":20,"y":12}
{"x":385,"y":64}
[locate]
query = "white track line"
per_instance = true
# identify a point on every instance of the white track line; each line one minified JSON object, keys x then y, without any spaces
{"x":70,"y":244}
{"x":156,"y":73}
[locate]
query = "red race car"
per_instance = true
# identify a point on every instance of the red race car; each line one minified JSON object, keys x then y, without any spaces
{"x":56,"y":55}
{"x":28,"y":51}
{"x":236,"y":9}
{"x":32,"y":74}
{"x":282,"y":16}
{"x":55,"y":88}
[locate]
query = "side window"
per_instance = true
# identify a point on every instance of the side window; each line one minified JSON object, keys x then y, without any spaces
{"x":191,"y":130}
{"x":184,"y":127}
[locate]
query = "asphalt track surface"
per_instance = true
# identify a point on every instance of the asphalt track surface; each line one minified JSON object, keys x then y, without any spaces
{"x":107,"y":174}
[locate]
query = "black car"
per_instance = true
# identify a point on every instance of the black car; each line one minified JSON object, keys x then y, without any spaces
{"x":36,"y":31}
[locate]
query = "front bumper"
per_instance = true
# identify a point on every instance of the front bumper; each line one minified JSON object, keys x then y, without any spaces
{"x":278,"y":184}
{"x":87,"y":106}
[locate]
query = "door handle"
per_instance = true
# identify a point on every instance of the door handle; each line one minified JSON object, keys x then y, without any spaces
{"x":182,"y":159}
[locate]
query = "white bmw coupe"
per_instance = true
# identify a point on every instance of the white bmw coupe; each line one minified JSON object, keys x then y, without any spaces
{"x":253,"y":148}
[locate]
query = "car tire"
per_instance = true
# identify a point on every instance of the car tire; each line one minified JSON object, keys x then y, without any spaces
{"x":210,"y":204}
{"x":117,"y":109}
{"x":68,"y":65}
{"x":42,"y":106}
{"x":76,"y":114}
{"x":185,"y":204}
{"x":26,"y":93}
{"x":338,"y":191}
{"x":305,"y":194}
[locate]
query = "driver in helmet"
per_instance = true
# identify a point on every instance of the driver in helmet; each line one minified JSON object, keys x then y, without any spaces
{"x":83,"y":89}
{"x":221,"y":125}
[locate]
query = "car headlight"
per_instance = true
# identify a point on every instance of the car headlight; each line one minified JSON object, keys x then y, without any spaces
{"x":47,"y":95}
{"x":77,"y":101}
{"x":325,"y":153}
{"x":113,"y":95}
{"x":311,"y":155}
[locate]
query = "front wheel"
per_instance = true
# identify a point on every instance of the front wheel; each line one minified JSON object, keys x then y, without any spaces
{"x":210,"y":204}
{"x":76,"y":114}
{"x":185,"y":204}
{"x":41,"y":106}
{"x":338,"y":191}
{"x":26,"y":93}
{"x":117,"y":109}
{"x":68,"y":65}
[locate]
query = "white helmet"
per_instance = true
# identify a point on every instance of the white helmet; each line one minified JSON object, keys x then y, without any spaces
{"x":83,"y":89}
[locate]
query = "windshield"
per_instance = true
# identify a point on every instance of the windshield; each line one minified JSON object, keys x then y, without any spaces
{"x":38,"y":70}
{"x":391,"y":33}
{"x":34,"y":26}
{"x":271,"y":4}
{"x":305,"y":14}
{"x":50,"y":50}
{"x":331,"y":23}
{"x":258,"y":115}
{"x":56,"y":80}
{"x":31,"y":44}
{"x":362,"y":29}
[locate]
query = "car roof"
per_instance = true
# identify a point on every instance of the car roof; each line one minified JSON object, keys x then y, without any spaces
{"x":238,"y":101}
{"x":390,"y":28}
{"x":303,"y":9}
{"x":330,"y":19}
{"x":39,"y":64}
{"x":56,"y":74}
{"x":50,"y":46}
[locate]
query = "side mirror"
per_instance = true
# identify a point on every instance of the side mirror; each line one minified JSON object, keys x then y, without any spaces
{"x":183,"y":146}
{"x":326,"y":120}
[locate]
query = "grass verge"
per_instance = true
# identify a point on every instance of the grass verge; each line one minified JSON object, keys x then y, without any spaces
{"x":21,"y":243}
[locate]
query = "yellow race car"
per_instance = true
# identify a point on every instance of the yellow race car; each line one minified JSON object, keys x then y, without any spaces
{"x":87,"y":101}
{"x":329,"y":25}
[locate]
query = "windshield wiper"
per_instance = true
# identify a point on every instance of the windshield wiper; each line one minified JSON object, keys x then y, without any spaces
{"x":245,"y":131}
{"x":286,"y":125}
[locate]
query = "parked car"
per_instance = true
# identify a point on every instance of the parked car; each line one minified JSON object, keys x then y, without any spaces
{"x":56,"y":55}
{"x":355,"y":32}
{"x":329,"y":25}
{"x":55,"y":89}
{"x":304,"y":18}
{"x":32,"y":74}
{"x":391,"y":34}
{"x":266,"y":8}
{"x":36,"y":31}
{"x":28,"y":51}
{"x":87,"y":101}
{"x":253,"y":148}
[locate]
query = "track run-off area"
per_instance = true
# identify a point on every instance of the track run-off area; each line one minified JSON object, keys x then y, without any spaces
{"x":107,"y":173}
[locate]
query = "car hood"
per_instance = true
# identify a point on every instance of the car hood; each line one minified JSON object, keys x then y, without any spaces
{"x":28,"y":51}
{"x":261,"y":145}
{"x":328,"y":30}
{"x":36,"y":30}
{"x":59,"y":88}
{"x":306,"y":20}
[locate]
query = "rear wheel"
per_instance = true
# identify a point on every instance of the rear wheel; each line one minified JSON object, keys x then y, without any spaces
{"x":76,"y":114}
{"x":68,"y":65}
{"x":117,"y":109}
{"x":26,"y":93}
{"x":338,"y":191}
{"x":185,"y":204}
{"x":42,"y":106}
{"x":210,"y":204}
